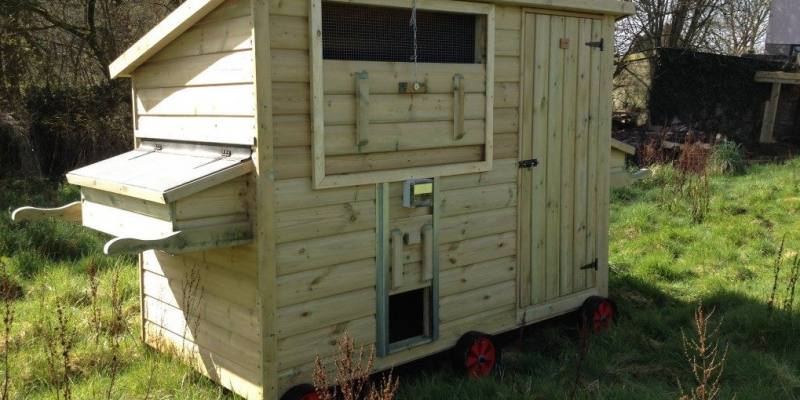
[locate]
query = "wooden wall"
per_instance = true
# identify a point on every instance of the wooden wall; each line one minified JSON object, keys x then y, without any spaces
{"x":200,"y":87}
{"x":202,"y":307}
{"x":326,"y":239}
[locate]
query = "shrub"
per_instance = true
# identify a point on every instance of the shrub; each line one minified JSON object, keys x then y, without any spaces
{"x":727,"y":158}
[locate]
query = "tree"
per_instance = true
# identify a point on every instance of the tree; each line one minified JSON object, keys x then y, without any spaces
{"x":682,"y":24}
{"x":740,"y":26}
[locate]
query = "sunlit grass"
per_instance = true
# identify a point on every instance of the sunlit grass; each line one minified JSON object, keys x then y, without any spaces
{"x":662,"y":265}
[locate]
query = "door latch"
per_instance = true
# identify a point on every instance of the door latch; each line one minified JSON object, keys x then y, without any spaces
{"x":591,"y":265}
{"x":598,"y":44}
{"x":529,"y":163}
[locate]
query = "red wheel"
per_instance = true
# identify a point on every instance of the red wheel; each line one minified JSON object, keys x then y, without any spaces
{"x":598,"y":314}
{"x":476,"y":354}
{"x":301,"y":392}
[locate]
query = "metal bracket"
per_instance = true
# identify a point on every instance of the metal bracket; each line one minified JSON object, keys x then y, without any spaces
{"x":529,"y":163}
{"x":591,"y":265}
{"x":599,"y":44}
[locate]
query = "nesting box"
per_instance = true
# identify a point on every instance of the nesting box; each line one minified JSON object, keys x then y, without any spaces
{"x":410,"y":175}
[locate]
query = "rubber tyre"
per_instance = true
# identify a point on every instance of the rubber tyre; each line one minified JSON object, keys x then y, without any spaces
{"x":598,"y":314}
{"x":301,"y":392}
{"x":476,"y":355}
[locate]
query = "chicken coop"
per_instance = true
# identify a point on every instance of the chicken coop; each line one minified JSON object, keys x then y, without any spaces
{"x":421,"y":174}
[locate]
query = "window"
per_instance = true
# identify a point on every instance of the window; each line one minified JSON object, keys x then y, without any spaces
{"x":377,"y":115}
{"x":368,"y":33}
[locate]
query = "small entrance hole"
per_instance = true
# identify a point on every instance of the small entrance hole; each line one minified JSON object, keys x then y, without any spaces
{"x":409,"y":315}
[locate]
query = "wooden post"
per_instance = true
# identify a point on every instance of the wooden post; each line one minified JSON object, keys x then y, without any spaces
{"x":770,"y":110}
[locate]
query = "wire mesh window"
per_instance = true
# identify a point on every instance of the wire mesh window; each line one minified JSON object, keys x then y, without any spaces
{"x":368,"y":33}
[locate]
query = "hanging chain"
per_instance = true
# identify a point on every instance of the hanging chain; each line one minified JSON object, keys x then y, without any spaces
{"x":413,"y":24}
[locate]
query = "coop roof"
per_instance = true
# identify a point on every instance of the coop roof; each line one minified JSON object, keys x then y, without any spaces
{"x":192,"y":11}
{"x":164,"y":174}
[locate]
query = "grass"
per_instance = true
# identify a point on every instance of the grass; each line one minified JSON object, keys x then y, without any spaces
{"x":663,"y":265}
{"x":51,"y":262}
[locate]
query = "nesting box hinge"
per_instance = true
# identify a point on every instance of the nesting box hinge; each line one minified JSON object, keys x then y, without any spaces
{"x":591,"y":265}
{"x":158,"y":147}
{"x":599,"y":44}
{"x":226,"y":153}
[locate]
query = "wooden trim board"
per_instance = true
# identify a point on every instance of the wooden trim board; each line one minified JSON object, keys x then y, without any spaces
{"x":321,"y":177}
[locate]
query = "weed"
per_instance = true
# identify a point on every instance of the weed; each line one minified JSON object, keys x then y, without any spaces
{"x":352,"y":380}
{"x":58,"y":347}
{"x":727,"y":158}
{"x":192,"y":292}
{"x":705,"y":360}
{"x":776,"y":272}
{"x":91,"y":270}
{"x":788,"y":302}
{"x":8,"y":321}
{"x":117,"y":327}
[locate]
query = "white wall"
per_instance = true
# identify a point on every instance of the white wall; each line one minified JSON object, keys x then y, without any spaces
{"x":784,"y":23}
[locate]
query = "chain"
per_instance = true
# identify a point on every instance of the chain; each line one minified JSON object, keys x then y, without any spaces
{"x":413,"y":24}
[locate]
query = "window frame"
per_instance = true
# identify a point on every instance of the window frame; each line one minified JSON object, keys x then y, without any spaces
{"x":320,"y":178}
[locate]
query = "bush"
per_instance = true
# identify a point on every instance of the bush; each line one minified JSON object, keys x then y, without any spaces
{"x":727,"y":158}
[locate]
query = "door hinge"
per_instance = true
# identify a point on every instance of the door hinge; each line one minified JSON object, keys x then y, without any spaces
{"x":598,"y":44}
{"x":226,"y":153}
{"x":158,"y":147}
{"x":591,"y":265}
{"x":529,"y":163}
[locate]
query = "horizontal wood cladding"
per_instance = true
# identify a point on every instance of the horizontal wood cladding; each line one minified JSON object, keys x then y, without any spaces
{"x":210,"y":69}
{"x":224,"y":371}
{"x":326,"y":237}
{"x":214,"y":36}
{"x":200,"y":87}
{"x":222,"y":100}
{"x":222,"y":340}
{"x":386,"y":161}
{"x":201,"y":307}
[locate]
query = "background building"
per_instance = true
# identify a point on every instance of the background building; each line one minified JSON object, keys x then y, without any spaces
{"x":783,"y":32}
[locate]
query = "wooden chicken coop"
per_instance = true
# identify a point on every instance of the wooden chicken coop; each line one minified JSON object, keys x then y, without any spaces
{"x":410,"y":172}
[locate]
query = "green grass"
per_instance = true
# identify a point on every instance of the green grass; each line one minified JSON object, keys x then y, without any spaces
{"x":663,"y":264}
{"x":50,"y":261}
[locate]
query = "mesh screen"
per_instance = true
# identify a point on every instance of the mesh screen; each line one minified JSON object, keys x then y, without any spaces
{"x":366,"y":33}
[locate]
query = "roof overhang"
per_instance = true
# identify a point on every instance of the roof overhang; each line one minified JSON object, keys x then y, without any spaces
{"x":163,"y":34}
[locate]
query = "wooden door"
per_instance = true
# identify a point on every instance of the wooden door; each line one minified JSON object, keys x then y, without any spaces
{"x":562,"y":114}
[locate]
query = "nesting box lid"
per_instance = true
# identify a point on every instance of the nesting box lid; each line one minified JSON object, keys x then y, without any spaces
{"x":165,"y":172}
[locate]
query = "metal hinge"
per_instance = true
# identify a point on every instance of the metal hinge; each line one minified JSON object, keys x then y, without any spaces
{"x":226,"y":153}
{"x":158,"y":147}
{"x":598,"y":44}
{"x":591,"y":265}
{"x":529,"y":163}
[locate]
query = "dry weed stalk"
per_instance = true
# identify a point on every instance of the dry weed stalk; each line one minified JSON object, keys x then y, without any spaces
{"x":59,"y":352}
{"x":788,"y":302}
{"x":94,"y":286}
{"x":776,"y":274}
{"x":117,"y":328}
{"x":8,"y":321}
{"x":352,"y":380}
{"x":192,"y":298}
{"x":705,"y":359}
